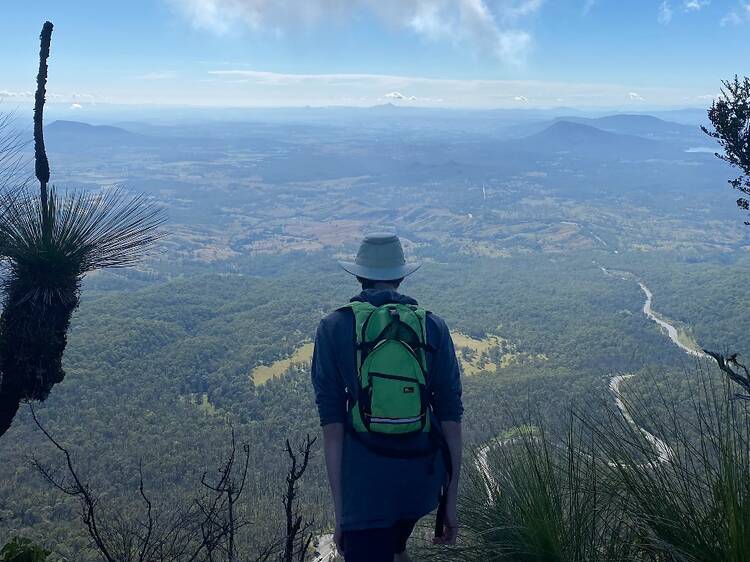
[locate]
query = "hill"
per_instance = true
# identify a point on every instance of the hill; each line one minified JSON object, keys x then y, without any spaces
{"x":65,"y":135}
{"x":639,"y":125}
{"x":591,"y":142}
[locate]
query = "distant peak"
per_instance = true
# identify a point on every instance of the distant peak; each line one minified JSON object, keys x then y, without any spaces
{"x":64,"y":126}
{"x":388,"y":105}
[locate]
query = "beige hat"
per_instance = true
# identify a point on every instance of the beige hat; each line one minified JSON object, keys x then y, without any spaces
{"x":380,"y":258}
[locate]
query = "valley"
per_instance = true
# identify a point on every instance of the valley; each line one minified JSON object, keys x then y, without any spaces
{"x":513,"y":220}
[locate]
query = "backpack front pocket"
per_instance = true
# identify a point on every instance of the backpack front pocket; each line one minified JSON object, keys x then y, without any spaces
{"x":396,"y":404}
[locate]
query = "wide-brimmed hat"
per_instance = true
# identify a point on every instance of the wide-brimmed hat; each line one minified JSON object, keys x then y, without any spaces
{"x":380,"y":258}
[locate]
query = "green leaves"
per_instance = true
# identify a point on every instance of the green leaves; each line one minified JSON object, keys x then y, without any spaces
{"x":730,"y":117}
{"x":23,"y":550}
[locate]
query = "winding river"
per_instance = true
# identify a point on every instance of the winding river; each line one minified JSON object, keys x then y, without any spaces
{"x":663,"y":451}
{"x":670,"y":329}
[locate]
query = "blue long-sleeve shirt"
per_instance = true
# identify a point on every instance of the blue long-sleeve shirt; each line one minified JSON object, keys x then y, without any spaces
{"x":376,"y":490}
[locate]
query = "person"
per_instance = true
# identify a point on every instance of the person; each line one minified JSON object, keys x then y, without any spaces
{"x":387,"y":473}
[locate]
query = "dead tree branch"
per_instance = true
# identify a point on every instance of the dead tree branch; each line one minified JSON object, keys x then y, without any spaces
{"x":298,"y":535}
{"x":725,"y":364}
{"x":202,"y":531}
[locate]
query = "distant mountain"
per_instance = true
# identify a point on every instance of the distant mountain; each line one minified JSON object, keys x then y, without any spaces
{"x":585,"y":140}
{"x":79,"y":128}
{"x":640,"y":125}
{"x":693,"y":116}
{"x":384,"y":107}
{"x":65,"y":135}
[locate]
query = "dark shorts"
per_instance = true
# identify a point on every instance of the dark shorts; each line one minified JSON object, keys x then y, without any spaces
{"x":377,"y":545}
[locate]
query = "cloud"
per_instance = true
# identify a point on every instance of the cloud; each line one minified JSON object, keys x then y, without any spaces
{"x":400,"y":96}
{"x":76,"y":106}
{"x":248,"y":87}
{"x":587,"y":6}
{"x":665,"y":13}
{"x":7,"y":94}
{"x":695,"y":5}
{"x":738,"y":16}
{"x":488,"y":26}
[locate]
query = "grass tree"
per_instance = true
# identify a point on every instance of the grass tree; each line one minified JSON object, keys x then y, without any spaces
{"x":49,"y":240}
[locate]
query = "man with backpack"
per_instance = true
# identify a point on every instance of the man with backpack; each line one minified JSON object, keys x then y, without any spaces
{"x":388,"y":390}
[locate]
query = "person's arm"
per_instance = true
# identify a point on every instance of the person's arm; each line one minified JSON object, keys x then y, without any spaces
{"x":448,"y":407}
{"x":330,"y":396}
{"x":333,"y":445}
{"x":452,"y":433}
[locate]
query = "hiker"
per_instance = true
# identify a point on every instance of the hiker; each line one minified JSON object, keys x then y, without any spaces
{"x":388,"y":390}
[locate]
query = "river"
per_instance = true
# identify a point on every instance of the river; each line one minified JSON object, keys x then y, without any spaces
{"x":662,"y":449}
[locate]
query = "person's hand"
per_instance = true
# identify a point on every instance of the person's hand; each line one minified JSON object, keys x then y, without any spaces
{"x":337,"y":536}
{"x":450,"y":527}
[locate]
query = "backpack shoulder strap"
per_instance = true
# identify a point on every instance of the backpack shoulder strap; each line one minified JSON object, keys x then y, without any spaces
{"x":362,"y":311}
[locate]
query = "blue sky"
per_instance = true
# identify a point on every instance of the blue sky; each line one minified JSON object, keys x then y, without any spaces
{"x":453,"y":53}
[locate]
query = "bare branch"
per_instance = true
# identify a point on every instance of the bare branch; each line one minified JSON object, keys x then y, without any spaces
{"x":724,"y":364}
{"x":79,"y":490}
{"x":150,"y":526}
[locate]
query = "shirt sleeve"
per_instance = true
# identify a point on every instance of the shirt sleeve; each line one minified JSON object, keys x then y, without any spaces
{"x":330,"y":394}
{"x":446,"y":378}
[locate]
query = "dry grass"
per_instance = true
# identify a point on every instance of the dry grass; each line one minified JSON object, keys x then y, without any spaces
{"x":264,"y":373}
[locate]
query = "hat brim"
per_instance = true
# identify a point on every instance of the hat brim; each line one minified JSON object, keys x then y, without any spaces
{"x":379,"y":273}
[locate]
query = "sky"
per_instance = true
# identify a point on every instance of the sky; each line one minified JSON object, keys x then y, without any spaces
{"x":624,"y":54}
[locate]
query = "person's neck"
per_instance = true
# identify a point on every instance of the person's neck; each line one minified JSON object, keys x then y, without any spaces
{"x":384,"y":287}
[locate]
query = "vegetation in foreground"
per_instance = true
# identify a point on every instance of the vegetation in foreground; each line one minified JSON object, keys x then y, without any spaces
{"x":605,"y":491}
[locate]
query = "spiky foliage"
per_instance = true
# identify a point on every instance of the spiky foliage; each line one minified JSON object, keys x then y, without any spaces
{"x":531,"y":498}
{"x":694,"y":504}
{"x":87,"y":231}
{"x":11,"y":160}
{"x":730,"y":117}
{"x":44,"y":267}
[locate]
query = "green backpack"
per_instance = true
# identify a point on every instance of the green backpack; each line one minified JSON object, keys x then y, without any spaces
{"x":392,"y":397}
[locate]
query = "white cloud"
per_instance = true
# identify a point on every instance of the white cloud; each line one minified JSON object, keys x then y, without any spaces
{"x":695,"y":5}
{"x":76,"y":106}
{"x":7,"y":94}
{"x":244,"y":86}
{"x":665,"y":13}
{"x":402,"y":97}
{"x":489,"y":26}
{"x":738,"y":16}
